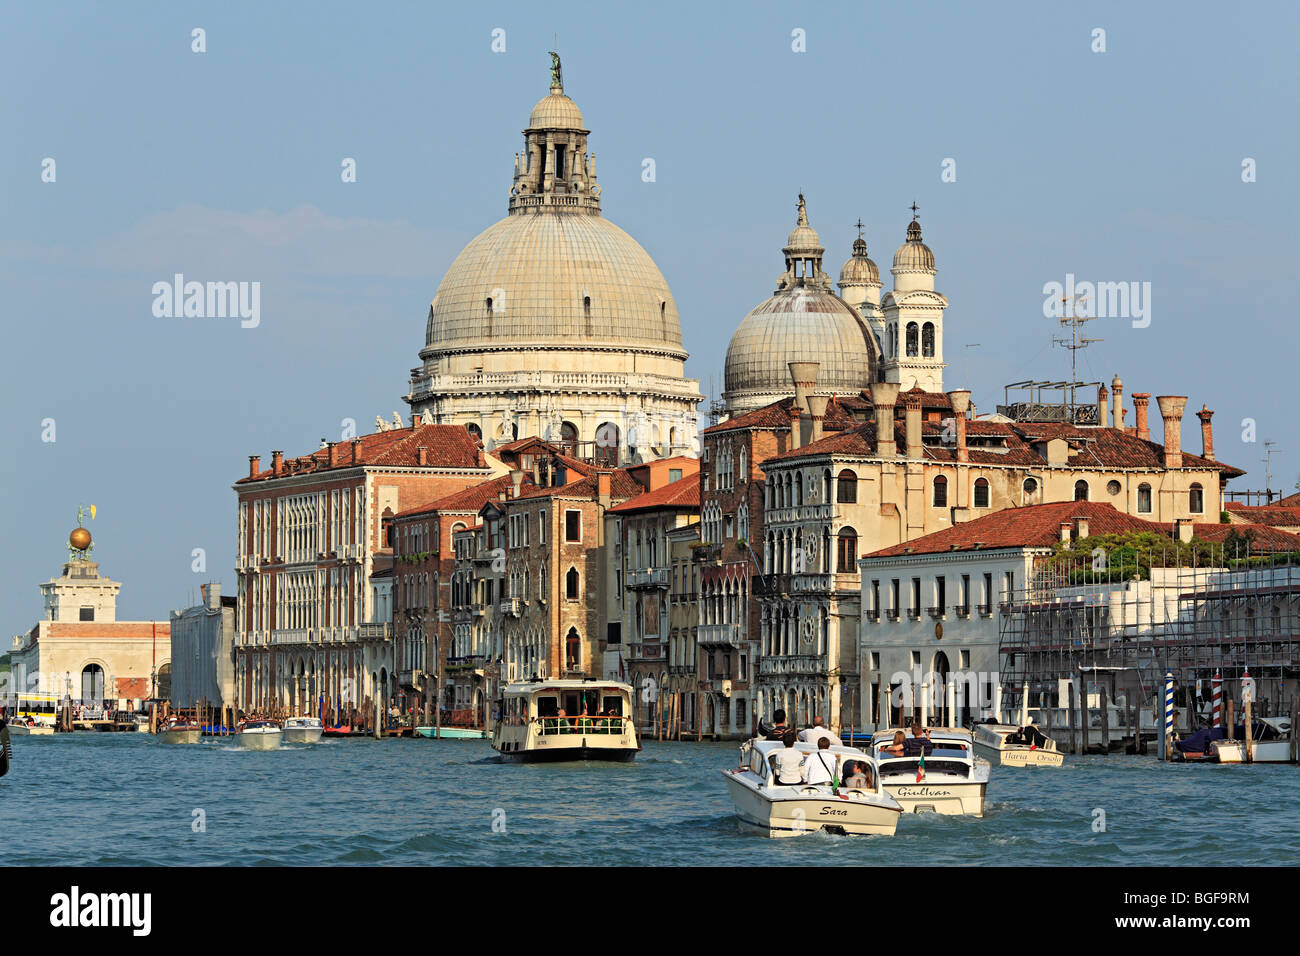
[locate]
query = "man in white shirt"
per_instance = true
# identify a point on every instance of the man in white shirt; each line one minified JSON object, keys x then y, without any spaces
{"x":821,"y":767}
{"x":787,"y":763}
{"x":816,"y":732}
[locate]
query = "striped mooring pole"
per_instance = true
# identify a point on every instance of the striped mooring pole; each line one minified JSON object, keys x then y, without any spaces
{"x":1217,"y":684}
{"x":1169,"y":714}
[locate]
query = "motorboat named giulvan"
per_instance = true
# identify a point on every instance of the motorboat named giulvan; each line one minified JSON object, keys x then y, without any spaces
{"x":949,"y":779}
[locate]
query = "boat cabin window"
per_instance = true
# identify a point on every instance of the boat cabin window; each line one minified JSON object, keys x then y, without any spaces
{"x":757,"y":764}
{"x":613,"y":705}
{"x":548,"y":706}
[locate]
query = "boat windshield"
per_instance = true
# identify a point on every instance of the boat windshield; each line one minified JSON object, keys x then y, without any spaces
{"x":908,"y":766}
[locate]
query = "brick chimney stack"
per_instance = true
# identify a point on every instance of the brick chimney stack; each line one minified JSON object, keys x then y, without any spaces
{"x":277,"y":462}
{"x":334,"y":454}
{"x":603,"y":486}
{"x":356,"y":451}
{"x":1171,"y":411}
{"x":415,"y":421}
{"x":1140,"y":402}
{"x":422,"y":456}
{"x":1207,"y":432}
{"x":1103,"y":407}
{"x":817,"y":408}
{"x":960,"y":405}
{"x":884,"y":395}
{"x":913,"y":426}
{"x":254,"y":465}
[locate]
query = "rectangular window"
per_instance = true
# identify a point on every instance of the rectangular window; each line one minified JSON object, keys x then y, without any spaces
{"x":965,"y":592}
{"x":573,"y":526}
{"x":674,"y":474}
{"x":541,"y":527}
{"x":894,"y":596}
{"x":916,"y":597}
{"x":988,"y":589}
{"x":941,"y":594}
{"x":1008,"y":585}
{"x":875,"y":597}
{"x":87,"y":614}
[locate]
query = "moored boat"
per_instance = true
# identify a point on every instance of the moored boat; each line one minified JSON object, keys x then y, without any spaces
{"x":178,"y":730}
{"x":1272,"y":743}
{"x":258,"y":734}
{"x":778,"y":810}
{"x":948,"y":780}
{"x":566,"y":720}
{"x":303,"y":730}
{"x":1003,"y":745}
{"x":452,"y":733}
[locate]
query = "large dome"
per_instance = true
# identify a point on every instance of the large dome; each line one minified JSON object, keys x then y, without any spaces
{"x":799,"y":325}
{"x":553,"y":277}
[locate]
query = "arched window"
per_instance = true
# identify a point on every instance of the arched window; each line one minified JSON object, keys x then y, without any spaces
{"x":981,"y":492}
{"x":489,"y":305}
{"x":1030,"y":486}
{"x":474,"y":430}
{"x":940,"y":491}
{"x":569,"y":439}
{"x":572,"y":650}
{"x":846,"y":487}
{"x":826,"y":486}
{"x":92,"y":684}
{"x":846,"y":550}
{"x":913,"y":332}
{"x":571,"y":584}
{"x":608,"y":437}
{"x":1144,"y":499}
{"x":927,"y":340}
{"x":1196,"y":499}
{"x":1080,"y":490}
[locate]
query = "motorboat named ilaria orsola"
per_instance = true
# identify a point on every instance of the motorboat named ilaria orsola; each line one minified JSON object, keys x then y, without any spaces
{"x":303,"y":730}
{"x":936,"y":774}
{"x":779,"y":810}
{"x":1006,"y":745}
{"x":257,"y":734}
{"x":566,"y":720}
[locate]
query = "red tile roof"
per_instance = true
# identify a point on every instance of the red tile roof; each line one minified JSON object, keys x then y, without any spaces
{"x":1039,"y":526}
{"x":447,"y":446}
{"x":468,"y":501}
{"x":683,"y":494}
{"x":1262,"y":537}
{"x":1290,"y":501}
{"x":1266,"y":515}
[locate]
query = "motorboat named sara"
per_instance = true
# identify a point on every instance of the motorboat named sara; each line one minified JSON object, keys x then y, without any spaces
{"x":257,"y":734}
{"x":303,"y":730}
{"x":947,"y":779}
{"x":179,"y":730}
{"x":1005,"y":745}
{"x":778,"y":810}
{"x":566,"y":720}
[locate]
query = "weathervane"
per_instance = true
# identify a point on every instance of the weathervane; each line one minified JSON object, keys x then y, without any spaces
{"x":80,"y":544}
{"x":914,"y":207}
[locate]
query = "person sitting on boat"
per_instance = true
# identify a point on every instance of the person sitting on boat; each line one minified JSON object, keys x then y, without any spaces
{"x":787,"y":763}
{"x":778,"y":729}
{"x":919,"y":743}
{"x":1031,"y":736}
{"x":896,"y":748}
{"x":857,"y":775}
{"x":816,"y":732}
{"x":823,"y":766}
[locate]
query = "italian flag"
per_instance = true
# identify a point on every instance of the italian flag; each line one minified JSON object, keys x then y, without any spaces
{"x":920,"y":768}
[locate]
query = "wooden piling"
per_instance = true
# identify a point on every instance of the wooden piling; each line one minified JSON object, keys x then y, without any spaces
{"x":1070,"y":702}
{"x":1105,"y":721}
{"x":1085,"y":719}
{"x":1295,"y":736}
{"x":1250,"y":733}
{"x":1231,"y":729}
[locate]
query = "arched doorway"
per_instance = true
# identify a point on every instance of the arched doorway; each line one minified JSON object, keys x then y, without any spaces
{"x":572,"y":650}
{"x":164,"y":689}
{"x":92,"y":684}
{"x":939,"y":693}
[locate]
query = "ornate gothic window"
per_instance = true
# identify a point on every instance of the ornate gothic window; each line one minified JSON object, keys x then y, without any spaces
{"x":846,"y":551}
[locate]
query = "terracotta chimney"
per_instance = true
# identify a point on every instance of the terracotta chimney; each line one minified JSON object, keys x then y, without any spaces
{"x":1140,"y":402}
{"x":817,"y":408}
{"x":603,"y":485}
{"x":277,"y":462}
{"x":334,"y":454}
{"x":913,"y":426}
{"x":795,"y":428}
{"x":1207,"y":432}
{"x":1103,"y":407}
{"x":356,"y":451}
{"x":1117,"y":402}
{"x":883,"y":397}
{"x":254,"y":465}
{"x":415,"y":421}
{"x":1080,"y":528}
{"x":1171,"y":411}
{"x":804,"y":376}
{"x":422,"y":456}
{"x":1065,"y":532}
{"x":960,"y":404}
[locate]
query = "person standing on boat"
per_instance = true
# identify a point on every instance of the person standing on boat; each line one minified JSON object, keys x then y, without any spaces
{"x":779,"y":728}
{"x":816,"y":732}
{"x":919,"y":743}
{"x":787,"y":763}
{"x":823,"y":766}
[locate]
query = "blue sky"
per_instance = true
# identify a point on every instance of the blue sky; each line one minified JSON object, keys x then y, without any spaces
{"x":1115,"y":166}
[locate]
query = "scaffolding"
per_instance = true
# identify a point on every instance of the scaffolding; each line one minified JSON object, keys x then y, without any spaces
{"x":1116,"y":623}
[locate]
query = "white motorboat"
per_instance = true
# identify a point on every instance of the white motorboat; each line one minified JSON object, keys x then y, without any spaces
{"x":178,"y":730}
{"x":566,"y":720}
{"x":303,"y":730}
{"x":949,"y":779}
{"x":259,"y":734}
{"x":1275,"y":749}
{"x":995,"y":743}
{"x":776,"y":810}
{"x":29,"y":728}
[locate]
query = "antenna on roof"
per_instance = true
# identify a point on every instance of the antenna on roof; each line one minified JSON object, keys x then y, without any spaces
{"x":1075,"y":321}
{"x":1268,"y":469}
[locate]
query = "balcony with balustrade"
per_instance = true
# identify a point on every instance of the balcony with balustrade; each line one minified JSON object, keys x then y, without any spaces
{"x":649,"y":578}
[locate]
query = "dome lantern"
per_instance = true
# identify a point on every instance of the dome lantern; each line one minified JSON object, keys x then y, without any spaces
{"x":555,"y":171}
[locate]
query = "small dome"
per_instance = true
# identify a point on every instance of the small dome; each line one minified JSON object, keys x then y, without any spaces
{"x":860,"y":268}
{"x":914,"y":254}
{"x":555,"y":111}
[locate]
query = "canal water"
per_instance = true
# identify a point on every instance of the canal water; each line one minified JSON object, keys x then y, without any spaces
{"x":118,"y":799}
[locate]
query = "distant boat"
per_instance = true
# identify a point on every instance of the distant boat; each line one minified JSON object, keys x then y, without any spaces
{"x":303,"y":730}
{"x":993,"y":743}
{"x":28,"y":727}
{"x":259,"y":734}
{"x":178,"y":730}
{"x":342,"y":730}
{"x":566,"y":720}
{"x":453,"y":733}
